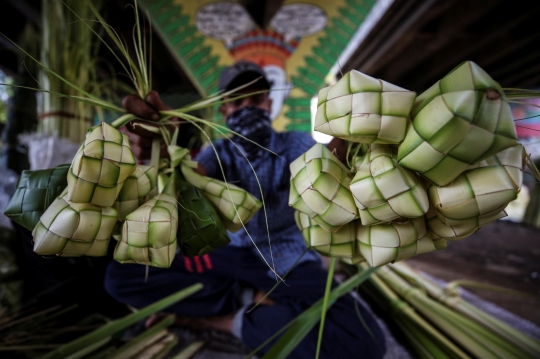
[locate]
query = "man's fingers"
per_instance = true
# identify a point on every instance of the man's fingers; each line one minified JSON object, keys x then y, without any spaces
{"x":133,"y":127}
{"x":136,"y":139}
{"x":154,"y":100}
{"x":141,"y":153}
{"x":164,"y":152}
{"x":138,"y":107}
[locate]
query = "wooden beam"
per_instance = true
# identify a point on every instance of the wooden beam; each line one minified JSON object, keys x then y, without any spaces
{"x":512,"y":46}
{"x":529,"y":68}
{"x":515,"y":65}
{"x":451,"y":26}
{"x":398,"y":20}
{"x":533,"y":81}
{"x":475,"y":49}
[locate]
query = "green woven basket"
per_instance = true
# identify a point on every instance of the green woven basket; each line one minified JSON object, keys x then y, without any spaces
{"x":35,"y":192}
{"x":201,"y":229}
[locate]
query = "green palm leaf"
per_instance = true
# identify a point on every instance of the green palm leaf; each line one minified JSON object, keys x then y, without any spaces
{"x":35,"y":192}
{"x":201,"y":229}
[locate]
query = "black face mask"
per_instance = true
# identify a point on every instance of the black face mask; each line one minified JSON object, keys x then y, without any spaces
{"x":254,"y":124}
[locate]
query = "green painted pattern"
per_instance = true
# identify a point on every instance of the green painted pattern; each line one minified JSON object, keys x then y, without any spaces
{"x":330,"y":45}
{"x":187,"y":46}
{"x":185,"y":43}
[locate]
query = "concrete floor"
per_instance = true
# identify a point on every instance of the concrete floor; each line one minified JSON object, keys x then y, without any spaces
{"x":504,"y":254}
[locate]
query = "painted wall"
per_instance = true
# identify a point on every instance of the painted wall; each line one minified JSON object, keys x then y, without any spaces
{"x":301,"y":44}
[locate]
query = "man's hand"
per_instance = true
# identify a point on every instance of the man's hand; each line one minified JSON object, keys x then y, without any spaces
{"x":140,"y":138}
{"x":339,"y":148}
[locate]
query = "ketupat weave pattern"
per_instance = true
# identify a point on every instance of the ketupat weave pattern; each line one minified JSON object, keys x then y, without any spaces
{"x":201,"y":229}
{"x":35,"y":192}
{"x":341,"y":243}
{"x":386,"y":192}
{"x":135,"y":189}
{"x":388,"y":243}
{"x":322,"y":183}
{"x":360,"y":108}
{"x":98,"y":170}
{"x":70,"y":229}
{"x":439,"y":230}
{"x":482,"y":191}
{"x":235,"y":205}
{"x":460,"y":120}
{"x":149,"y":233}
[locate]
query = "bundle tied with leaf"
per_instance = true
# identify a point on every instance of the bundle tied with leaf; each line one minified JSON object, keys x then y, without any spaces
{"x":152,"y":210}
{"x":421,"y":170}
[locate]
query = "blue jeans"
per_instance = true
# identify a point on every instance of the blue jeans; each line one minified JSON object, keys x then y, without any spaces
{"x":225,"y":273}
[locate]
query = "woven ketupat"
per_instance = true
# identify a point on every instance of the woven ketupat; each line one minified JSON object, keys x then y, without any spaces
{"x":235,"y":205}
{"x":459,"y":121}
{"x":360,"y":108}
{"x":388,"y":243}
{"x":439,"y":230}
{"x":482,"y":191}
{"x":341,"y":243}
{"x":100,"y":167}
{"x":70,"y":229}
{"x":320,"y":188}
{"x":386,"y":192}
{"x":135,"y":189}
{"x":201,"y":229}
{"x":149,"y":233}
{"x":35,"y":192}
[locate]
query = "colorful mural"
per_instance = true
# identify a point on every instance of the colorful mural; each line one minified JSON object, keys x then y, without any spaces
{"x":527,"y":118}
{"x":297,"y":50}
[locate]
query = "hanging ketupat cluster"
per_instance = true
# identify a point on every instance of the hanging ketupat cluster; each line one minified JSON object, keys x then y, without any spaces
{"x":74,"y":210}
{"x":437,"y":167}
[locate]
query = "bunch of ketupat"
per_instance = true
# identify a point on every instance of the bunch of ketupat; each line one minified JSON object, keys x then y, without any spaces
{"x":432,"y":168}
{"x":73,"y":210}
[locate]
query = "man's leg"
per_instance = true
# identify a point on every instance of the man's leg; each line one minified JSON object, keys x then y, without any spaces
{"x":345,"y":335}
{"x":220,"y":295}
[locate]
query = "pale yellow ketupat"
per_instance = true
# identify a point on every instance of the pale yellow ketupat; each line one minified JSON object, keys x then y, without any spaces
{"x":320,"y":188}
{"x":100,"y":167}
{"x":135,"y":190}
{"x":387,"y":243}
{"x":462,"y":119}
{"x":69,"y":229}
{"x":360,"y":108}
{"x":482,"y":191}
{"x":149,"y":233}
{"x":341,"y":243}
{"x":384,"y":191}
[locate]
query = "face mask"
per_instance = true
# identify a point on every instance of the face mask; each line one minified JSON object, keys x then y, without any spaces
{"x":254,"y":124}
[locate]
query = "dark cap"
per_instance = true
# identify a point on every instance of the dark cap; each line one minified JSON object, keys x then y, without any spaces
{"x":241,"y":73}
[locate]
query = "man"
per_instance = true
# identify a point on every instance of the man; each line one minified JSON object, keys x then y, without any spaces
{"x":236,"y":276}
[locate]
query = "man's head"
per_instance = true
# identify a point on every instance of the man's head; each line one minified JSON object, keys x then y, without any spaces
{"x":241,"y":73}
